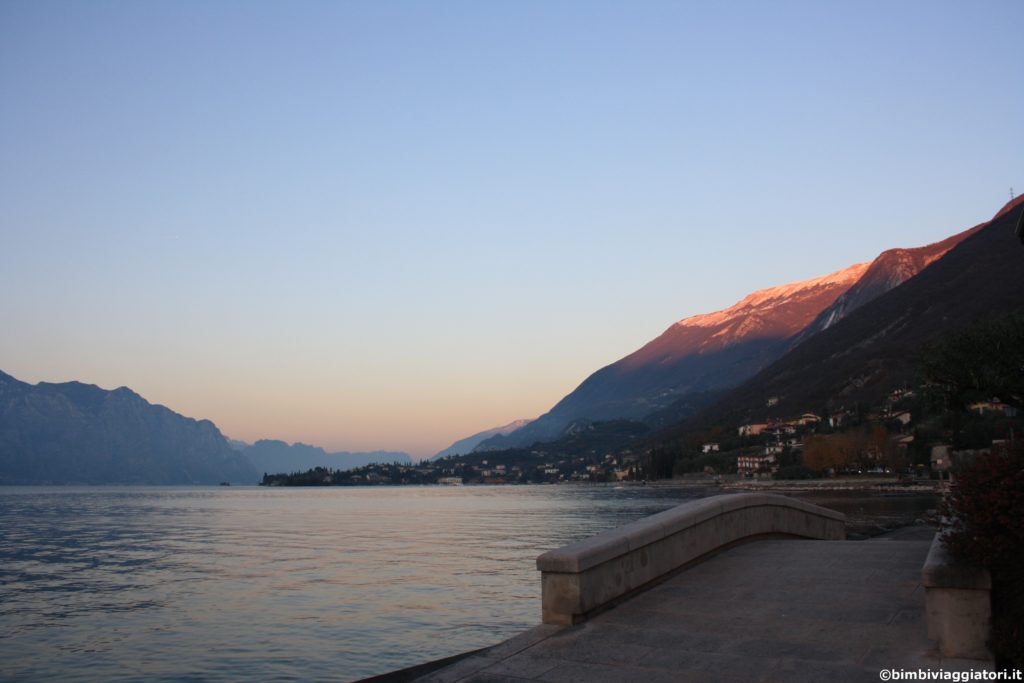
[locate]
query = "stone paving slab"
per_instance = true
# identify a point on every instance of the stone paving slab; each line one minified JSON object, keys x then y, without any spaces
{"x":778,"y":610}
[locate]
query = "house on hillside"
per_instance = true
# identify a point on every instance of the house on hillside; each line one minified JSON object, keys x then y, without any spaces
{"x":753,"y":465}
{"x":941,"y":459}
{"x":837,"y":419}
{"x":903,"y":416}
{"x":709,"y":448}
{"x":900,"y":394}
{"x":993,"y":406}
{"x":754,"y":429}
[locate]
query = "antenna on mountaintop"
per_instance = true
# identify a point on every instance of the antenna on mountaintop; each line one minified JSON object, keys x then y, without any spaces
{"x":1011,"y":194}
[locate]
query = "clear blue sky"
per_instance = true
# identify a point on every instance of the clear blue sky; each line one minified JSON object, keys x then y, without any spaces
{"x":389,"y":225}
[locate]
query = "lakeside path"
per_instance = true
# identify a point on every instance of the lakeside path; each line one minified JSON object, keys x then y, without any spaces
{"x":772,"y":610}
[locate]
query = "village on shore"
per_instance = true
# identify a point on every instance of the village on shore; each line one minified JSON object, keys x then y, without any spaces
{"x":899,"y":443}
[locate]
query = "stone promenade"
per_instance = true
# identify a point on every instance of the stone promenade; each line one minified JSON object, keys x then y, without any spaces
{"x":771,"y":610}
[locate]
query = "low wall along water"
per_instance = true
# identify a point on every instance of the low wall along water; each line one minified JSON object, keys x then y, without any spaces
{"x":586,"y":577}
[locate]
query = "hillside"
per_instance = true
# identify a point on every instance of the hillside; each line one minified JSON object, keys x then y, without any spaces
{"x":463,"y":446}
{"x":699,"y":359}
{"x":703,"y":353}
{"x":876,"y":348}
{"x":892,"y":268}
{"x":74,"y":433}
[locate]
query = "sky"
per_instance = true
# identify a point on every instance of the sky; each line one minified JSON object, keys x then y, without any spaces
{"x":389,"y":225}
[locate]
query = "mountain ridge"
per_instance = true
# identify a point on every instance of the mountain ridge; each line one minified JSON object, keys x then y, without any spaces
{"x":711,"y":353}
{"x":863,"y":356}
{"x":890,"y":269}
{"x":468,"y":444}
{"x":273,"y":456}
{"x":72,"y":432}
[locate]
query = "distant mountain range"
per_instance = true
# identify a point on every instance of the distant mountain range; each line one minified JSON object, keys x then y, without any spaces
{"x":849,"y":336}
{"x":74,"y":433}
{"x":467,"y":445}
{"x":700,"y":359}
{"x":277,"y":457}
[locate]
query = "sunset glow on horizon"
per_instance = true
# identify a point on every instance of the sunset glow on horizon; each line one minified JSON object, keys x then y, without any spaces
{"x":389,"y":225}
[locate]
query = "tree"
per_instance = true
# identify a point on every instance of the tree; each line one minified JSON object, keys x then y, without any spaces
{"x":847,"y":450}
{"x":978,"y":363}
{"x":821,"y":452}
{"x":660,"y":463}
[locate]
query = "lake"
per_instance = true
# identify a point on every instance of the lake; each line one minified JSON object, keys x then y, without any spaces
{"x":298,"y":584}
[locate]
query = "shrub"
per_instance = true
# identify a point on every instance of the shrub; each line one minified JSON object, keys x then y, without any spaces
{"x":986,"y":511}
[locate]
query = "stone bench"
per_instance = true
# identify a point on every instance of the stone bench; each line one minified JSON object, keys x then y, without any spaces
{"x":583,"y":578}
{"x":957,"y":603}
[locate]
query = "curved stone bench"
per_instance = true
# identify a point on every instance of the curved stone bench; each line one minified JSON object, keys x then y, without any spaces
{"x":583,"y":578}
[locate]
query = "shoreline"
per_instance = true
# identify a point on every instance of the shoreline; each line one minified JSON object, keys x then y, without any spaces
{"x":411,"y":673}
{"x":899,"y":532}
{"x":856,"y":484}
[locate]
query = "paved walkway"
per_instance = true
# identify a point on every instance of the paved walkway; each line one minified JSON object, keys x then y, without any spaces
{"x":779,"y":610}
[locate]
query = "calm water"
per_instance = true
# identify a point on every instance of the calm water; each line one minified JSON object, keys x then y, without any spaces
{"x":255,"y":584}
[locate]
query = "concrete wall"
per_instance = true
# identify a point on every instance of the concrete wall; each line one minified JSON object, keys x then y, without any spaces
{"x":580,"y":579}
{"x":958,"y":604}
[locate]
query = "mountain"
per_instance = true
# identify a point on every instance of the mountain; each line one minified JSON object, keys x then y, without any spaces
{"x":463,"y":446}
{"x":696,"y":361}
{"x":276,"y":457}
{"x":74,"y":433}
{"x":875,"y":348}
{"x":891,"y":269}
{"x":701,"y":354}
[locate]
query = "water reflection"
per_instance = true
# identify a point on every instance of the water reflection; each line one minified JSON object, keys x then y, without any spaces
{"x":270,"y":584}
{"x":298,"y":584}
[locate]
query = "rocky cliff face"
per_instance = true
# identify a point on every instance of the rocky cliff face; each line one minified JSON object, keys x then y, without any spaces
{"x":79,"y":433}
